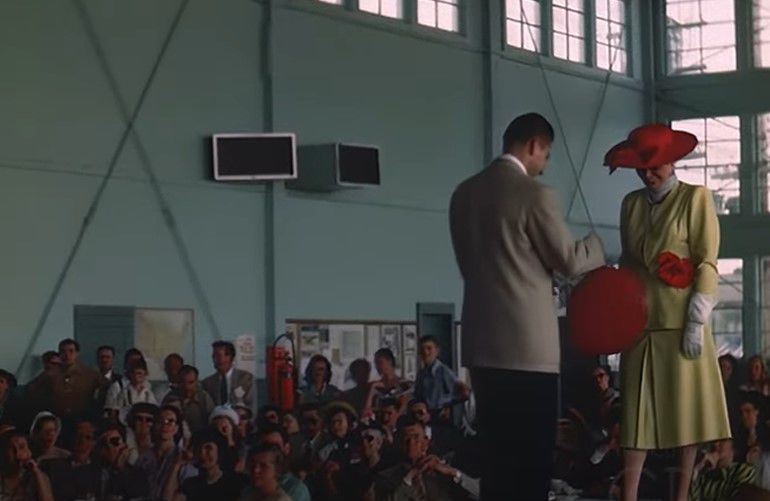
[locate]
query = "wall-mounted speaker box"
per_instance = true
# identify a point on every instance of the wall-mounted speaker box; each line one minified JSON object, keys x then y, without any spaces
{"x":254,"y":156}
{"x":337,"y":166}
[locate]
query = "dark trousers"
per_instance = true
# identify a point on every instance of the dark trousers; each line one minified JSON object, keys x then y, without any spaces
{"x":516,"y":413}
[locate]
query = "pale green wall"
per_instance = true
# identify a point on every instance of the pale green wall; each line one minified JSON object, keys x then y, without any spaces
{"x":337,"y":76}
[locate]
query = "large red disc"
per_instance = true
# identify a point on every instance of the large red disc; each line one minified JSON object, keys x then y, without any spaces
{"x":607,"y":311}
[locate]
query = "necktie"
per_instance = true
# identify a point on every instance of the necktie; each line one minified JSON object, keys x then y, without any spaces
{"x":223,"y":390}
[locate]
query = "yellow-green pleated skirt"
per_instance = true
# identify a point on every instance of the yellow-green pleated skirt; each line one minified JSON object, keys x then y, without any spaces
{"x":668,"y":400}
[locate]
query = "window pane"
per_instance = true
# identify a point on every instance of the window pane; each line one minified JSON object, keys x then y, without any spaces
{"x":448,"y":17}
{"x":372,"y":6}
{"x":569,"y":20}
{"x":765,"y":310}
{"x":610,"y":28}
{"x":426,"y":12}
{"x":618,"y":11}
{"x":387,"y":8}
{"x":763,"y":147}
{"x":762,"y":33}
{"x":700,"y":36}
{"x":715,"y":161}
{"x":727,"y":318}
{"x":335,"y":2}
{"x":576,"y":49}
{"x":526,"y":13}
{"x":560,"y":45}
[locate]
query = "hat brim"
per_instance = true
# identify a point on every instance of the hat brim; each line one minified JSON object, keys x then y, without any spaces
{"x":624,"y":155}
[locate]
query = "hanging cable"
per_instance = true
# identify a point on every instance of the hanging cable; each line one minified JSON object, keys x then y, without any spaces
{"x":560,"y":125}
{"x":88,"y":219}
{"x":165,"y":208}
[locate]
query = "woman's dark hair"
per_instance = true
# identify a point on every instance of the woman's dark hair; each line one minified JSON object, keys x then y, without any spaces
{"x":387,"y":354}
{"x":309,"y":369}
{"x":731,"y":359}
{"x":143,"y":407}
{"x":5,"y":443}
{"x":205,"y":436}
{"x":10,"y":379}
{"x":137,"y":364}
{"x":131,"y":352}
{"x":179,"y":420}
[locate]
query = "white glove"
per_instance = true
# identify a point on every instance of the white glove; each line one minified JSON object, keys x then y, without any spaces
{"x":692,"y":340}
{"x":698,"y":313}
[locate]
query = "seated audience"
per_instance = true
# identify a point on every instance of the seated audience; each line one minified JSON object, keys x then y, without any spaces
{"x":717,"y":476}
{"x":751,"y":433}
{"x":265,"y":466}
{"x":78,"y":476}
{"x":225,"y":421}
{"x":275,"y":435}
{"x":21,"y":479}
{"x":229,"y":385}
{"x":213,"y":482}
{"x":757,"y":377}
{"x":387,"y":417}
{"x":268,"y":414}
{"x":360,"y":369}
{"x":121,"y":398}
{"x":158,"y":462}
{"x":422,"y":476}
{"x":727,"y":366}
{"x":340,"y":422}
{"x":318,"y":373}
{"x":172,"y":364}
{"x":10,"y":405}
{"x":390,"y":384}
{"x":444,"y":437}
{"x":119,"y":479}
{"x":436,"y":383}
{"x":45,"y":431}
{"x":140,"y":420}
{"x":196,"y":404}
{"x":245,"y":415}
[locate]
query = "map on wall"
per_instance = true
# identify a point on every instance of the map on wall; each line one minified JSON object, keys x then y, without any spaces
{"x":159,"y":332}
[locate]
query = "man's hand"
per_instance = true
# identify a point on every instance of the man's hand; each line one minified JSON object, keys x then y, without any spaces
{"x":692,"y":340}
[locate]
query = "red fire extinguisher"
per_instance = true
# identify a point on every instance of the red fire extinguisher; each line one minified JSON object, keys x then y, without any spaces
{"x":280,"y":374}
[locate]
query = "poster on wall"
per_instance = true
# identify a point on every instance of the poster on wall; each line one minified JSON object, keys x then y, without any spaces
{"x":158,"y":332}
{"x":390,"y":337}
{"x":409,"y":340}
{"x":346,"y":343}
{"x":246,"y":353}
{"x":313,"y":340}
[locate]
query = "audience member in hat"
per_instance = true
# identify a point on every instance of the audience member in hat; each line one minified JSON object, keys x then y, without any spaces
{"x":225,"y":421}
{"x":79,"y":475}
{"x":45,"y":431}
{"x":21,"y":478}
{"x":213,"y":482}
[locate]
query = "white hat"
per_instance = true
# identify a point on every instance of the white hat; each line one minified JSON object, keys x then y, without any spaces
{"x":226,"y":411}
{"x":45,"y":414}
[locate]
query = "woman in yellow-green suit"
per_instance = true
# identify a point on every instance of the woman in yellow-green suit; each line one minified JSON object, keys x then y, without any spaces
{"x":671,"y":390}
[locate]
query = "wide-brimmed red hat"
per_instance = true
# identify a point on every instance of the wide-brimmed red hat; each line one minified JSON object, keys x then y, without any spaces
{"x":650,"y":146}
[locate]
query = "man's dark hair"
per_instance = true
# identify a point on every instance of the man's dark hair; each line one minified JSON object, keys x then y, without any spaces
{"x":68,"y":341}
{"x":278,"y":459}
{"x":137,"y":364}
{"x":173,"y":356}
{"x":227,"y":345}
{"x":105,"y":347}
{"x":131,"y":352}
{"x":269,"y":428}
{"x":47,"y":356}
{"x":209,"y":435}
{"x":186,"y":369}
{"x":360,"y":364}
{"x":526,"y":127}
{"x":405,"y":422}
{"x":387,"y":354}
{"x":429,"y":339}
{"x":144,"y":408}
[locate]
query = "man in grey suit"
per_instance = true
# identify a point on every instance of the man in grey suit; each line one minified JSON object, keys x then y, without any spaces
{"x":229,"y":385}
{"x":509,"y":238}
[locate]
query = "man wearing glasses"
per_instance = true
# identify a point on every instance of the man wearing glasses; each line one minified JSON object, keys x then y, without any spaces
{"x":119,"y":480}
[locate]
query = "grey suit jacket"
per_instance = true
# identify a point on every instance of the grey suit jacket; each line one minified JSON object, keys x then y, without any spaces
{"x":242,"y":381}
{"x":509,"y":237}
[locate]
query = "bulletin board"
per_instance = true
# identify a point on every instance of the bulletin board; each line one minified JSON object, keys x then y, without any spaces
{"x":342,"y":341}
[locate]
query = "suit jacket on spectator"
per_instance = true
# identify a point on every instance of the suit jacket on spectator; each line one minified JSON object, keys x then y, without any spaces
{"x":241,"y":388}
{"x":196,"y":410}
